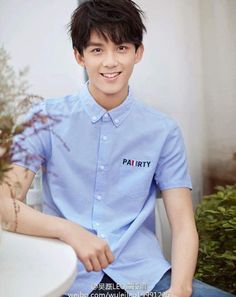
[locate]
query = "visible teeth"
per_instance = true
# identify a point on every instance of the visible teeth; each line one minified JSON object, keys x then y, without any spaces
{"x":110,"y":75}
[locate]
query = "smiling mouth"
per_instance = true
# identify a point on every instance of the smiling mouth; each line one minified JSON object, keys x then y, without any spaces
{"x":111,"y":75}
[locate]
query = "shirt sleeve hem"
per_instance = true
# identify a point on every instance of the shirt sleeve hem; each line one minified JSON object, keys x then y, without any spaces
{"x":35,"y":170}
{"x":175,"y":185}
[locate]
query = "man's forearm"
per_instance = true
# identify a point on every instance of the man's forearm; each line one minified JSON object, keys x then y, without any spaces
{"x":183,"y":259}
{"x":29,"y":221}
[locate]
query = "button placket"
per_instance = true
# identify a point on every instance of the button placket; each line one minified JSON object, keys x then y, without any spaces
{"x":100,"y":184}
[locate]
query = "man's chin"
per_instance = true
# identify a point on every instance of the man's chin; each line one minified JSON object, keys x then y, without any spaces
{"x":111,"y":91}
{"x":108,"y":90}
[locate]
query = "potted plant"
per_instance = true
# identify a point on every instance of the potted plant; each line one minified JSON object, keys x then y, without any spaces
{"x":216,"y":224}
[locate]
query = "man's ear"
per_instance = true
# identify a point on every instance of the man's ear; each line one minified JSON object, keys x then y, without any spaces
{"x":139,"y":53}
{"x":79,"y":58}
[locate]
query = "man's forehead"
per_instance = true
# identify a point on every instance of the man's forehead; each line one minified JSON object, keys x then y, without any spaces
{"x":99,"y":38}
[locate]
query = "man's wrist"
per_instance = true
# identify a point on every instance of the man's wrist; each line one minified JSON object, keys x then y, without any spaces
{"x":63,"y":227}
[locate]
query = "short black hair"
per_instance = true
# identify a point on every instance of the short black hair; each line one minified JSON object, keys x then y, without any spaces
{"x":119,"y":20}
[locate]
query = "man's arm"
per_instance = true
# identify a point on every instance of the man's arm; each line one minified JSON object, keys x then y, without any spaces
{"x":93,"y":251}
{"x":30,"y":222}
{"x":17,"y":182}
{"x":178,"y":204}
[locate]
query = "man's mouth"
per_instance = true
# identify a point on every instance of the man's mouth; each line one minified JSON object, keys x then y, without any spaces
{"x":111,"y":75}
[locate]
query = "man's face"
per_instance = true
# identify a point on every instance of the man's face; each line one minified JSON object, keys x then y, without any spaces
{"x":109,"y":66}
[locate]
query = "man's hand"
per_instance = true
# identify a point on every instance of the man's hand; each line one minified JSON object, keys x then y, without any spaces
{"x":93,"y":252}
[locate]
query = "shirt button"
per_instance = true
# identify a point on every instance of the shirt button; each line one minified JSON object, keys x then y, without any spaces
{"x":94,"y":118}
{"x":104,"y":137}
{"x":98,"y":197}
{"x":117,"y":121}
{"x":106,"y":116}
{"x":102,"y":167}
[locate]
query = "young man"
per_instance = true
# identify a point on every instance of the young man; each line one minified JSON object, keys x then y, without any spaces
{"x":99,"y":193}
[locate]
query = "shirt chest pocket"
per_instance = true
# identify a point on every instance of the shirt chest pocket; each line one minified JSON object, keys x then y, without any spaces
{"x":134,"y":181}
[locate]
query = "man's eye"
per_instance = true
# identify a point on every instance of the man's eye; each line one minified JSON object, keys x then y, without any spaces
{"x":96,"y":50}
{"x":122,"y":48}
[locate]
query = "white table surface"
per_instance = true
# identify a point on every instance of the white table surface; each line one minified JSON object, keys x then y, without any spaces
{"x":34,"y":266}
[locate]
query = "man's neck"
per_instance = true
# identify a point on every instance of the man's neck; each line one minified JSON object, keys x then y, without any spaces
{"x":109,"y":102}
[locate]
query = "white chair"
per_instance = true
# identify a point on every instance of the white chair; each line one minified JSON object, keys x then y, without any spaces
{"x":163,"y":231}
{"x":34,"y":195}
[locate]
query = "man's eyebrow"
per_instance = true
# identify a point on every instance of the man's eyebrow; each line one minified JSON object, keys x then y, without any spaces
{"x":90,"y":43}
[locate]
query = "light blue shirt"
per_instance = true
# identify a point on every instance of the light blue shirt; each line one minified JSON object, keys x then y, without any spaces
{"x":103,"y":169}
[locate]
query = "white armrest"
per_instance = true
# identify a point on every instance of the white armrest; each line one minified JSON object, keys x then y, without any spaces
{"x":163,"y":231}
{"x":34,"y":199}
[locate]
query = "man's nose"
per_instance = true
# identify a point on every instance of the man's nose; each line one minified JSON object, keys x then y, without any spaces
{"x":110,"y":60}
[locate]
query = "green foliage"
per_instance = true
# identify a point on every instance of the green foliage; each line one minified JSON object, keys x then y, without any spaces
{"x":216,"y":223}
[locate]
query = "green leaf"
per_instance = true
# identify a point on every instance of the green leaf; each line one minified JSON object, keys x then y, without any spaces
{"x":216,"y":224}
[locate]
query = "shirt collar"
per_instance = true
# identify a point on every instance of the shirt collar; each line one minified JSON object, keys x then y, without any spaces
{"x":96,"y":111}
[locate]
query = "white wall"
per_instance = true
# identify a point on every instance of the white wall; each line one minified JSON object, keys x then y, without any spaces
{"x":219,"y":47}
{"x":34,"y":33}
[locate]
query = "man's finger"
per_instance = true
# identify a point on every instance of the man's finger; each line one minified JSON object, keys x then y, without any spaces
{"x":88,"y":265}
{"x":96,"y":264}
{"x":103,"y":260}
{"x":109,"y":255}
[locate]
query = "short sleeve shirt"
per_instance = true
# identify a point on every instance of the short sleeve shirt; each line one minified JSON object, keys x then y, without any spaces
{"x":103,"y":170}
